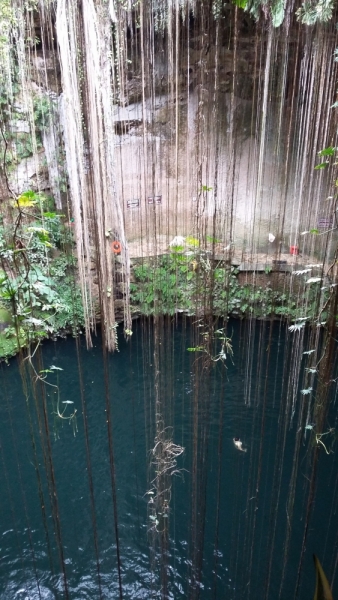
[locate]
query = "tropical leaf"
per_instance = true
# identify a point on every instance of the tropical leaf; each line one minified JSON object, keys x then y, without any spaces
{"x":277,"y":12}
{"x":323,"y":590}
{"x":27,"y":199}
{"x":42,"y":234}
{"x":240,"y":3}
{"x":329,"y":151}
{"x":322,"y":165}
{"x":311,"y":13}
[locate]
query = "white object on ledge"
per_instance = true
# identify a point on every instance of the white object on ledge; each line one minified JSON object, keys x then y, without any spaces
{"x":177,"y":241}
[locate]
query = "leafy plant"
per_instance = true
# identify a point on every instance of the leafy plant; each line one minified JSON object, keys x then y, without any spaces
{"x":40,"y":291}
{"x":312,"y":12}
{"x":10,"y":343}
{"x":183,"y":282}
{"x":163,"y":286}
{"x":329,"y":151}
{"x":27,"y":199}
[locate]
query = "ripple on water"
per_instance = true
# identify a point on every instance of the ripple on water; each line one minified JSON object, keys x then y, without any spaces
{"x":29,"y":590}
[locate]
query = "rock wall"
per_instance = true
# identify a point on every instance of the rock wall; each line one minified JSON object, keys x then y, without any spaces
{"x":214,"y":129}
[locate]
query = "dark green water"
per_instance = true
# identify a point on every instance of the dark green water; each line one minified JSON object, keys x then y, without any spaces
{"x":244,"y":524}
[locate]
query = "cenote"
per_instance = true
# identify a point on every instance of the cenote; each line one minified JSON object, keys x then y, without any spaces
{"x":168,"y":299}
{"x":235,"y":520}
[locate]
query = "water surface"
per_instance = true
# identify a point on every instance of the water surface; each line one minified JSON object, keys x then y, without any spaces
{"x":56,"y":498}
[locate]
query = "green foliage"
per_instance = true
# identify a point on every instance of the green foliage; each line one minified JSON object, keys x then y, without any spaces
{"x":277,"y":12}
{"x":240,"y":3}
{"x":164,"y":285}
{"x":58,"y":233}
{"x":177,"y":249}
{"x":42,"y":305}
{"x":254,"y":8}
{"x":27,"y":199}
{"x":312,"y":12}
{"x":40,"y":291}
{"x":192,"y":241}
{"x":10,"y":343}
{"x":178,"y":282}
{"x":42,"y":235}
{"x":70,"y":316}
{"x":62,"y":266}
{"x":329,"y":151}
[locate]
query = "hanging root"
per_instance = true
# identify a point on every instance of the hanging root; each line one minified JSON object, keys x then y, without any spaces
{"x":164,"y":453}
{"x":319,"y":440}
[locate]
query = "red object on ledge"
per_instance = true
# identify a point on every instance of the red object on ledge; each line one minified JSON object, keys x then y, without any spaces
{"x":116,"y":247}
{"x":294,"y":250}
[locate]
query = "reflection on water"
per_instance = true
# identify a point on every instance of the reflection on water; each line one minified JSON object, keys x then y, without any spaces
{"x":245,"y":497}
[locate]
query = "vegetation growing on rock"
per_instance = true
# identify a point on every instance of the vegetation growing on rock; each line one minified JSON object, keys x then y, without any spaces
{"x":182,"y":282}
{"x":38,"y":286}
